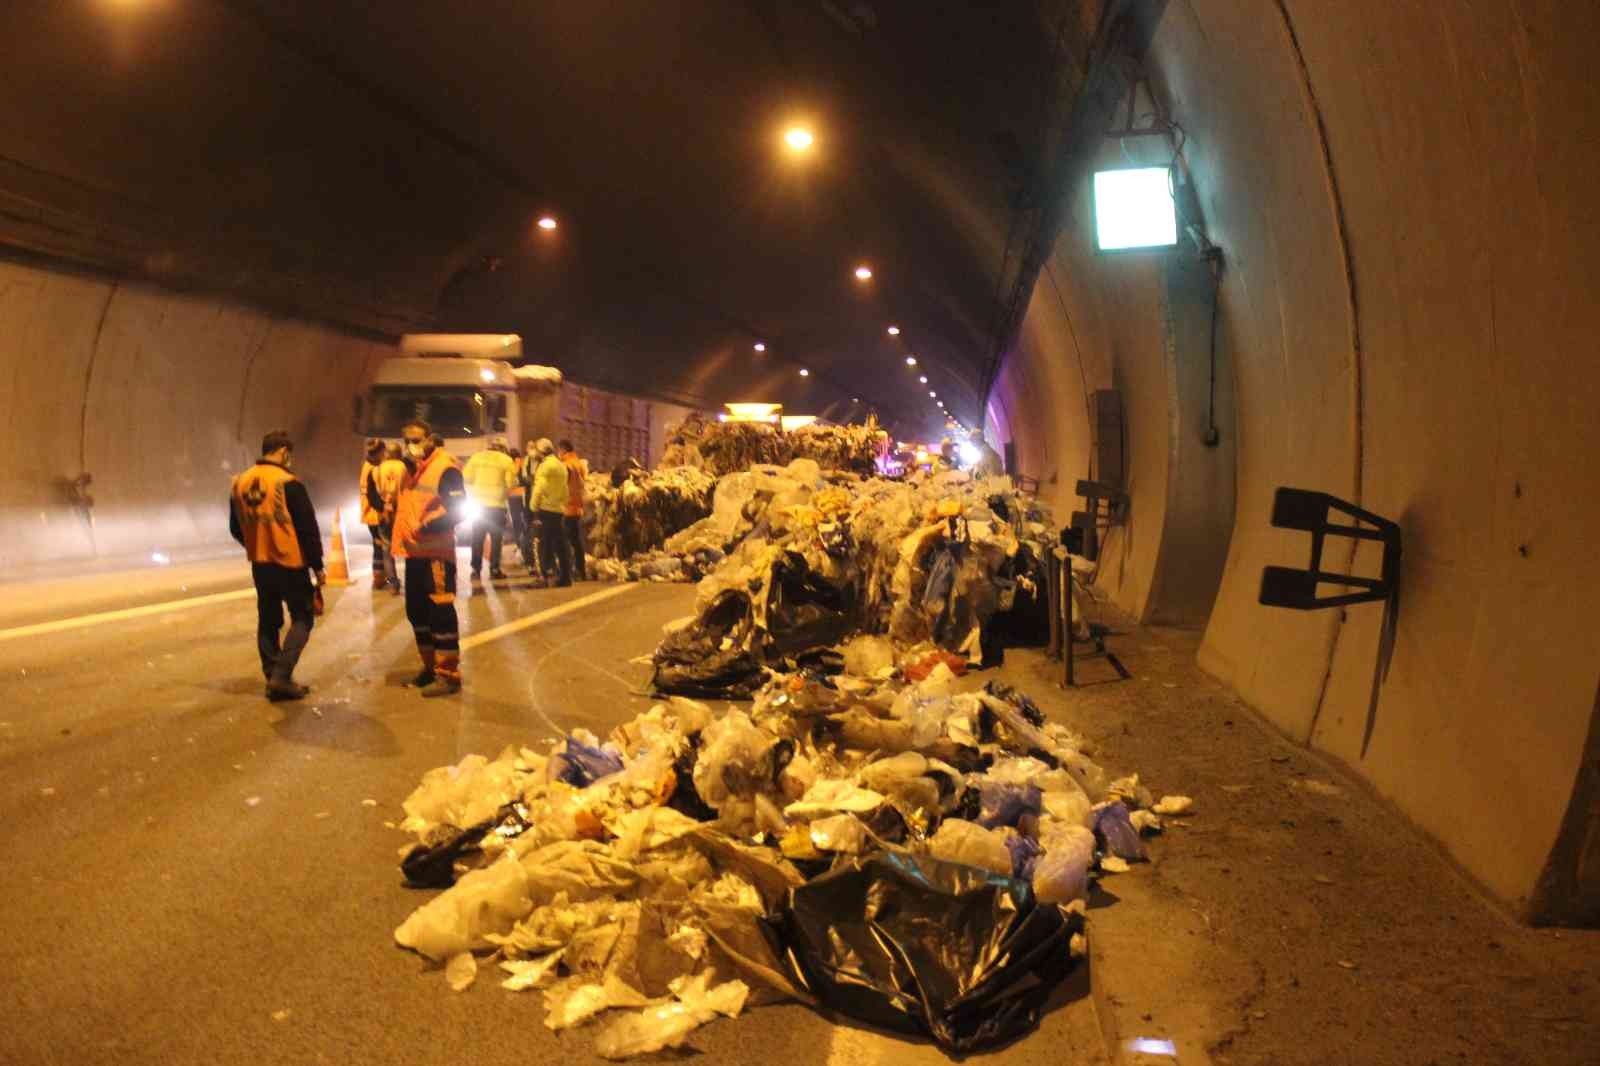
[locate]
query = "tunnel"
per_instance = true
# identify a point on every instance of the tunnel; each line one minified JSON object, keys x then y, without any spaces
{"x":219,"y":217}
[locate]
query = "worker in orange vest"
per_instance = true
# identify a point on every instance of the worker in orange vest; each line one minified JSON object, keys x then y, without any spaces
{"x":372,"y":509}
{"x":388,"y":476}
{"x":270,"y":513}
{"x":426,"y":514}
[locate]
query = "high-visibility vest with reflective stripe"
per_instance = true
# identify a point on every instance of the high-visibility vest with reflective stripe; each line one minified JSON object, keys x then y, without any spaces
{"x":258,"y":498}
{"x":420,"y":503}
{"x":369,"y":515}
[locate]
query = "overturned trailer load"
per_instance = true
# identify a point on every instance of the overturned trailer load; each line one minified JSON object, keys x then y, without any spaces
{"x":908,"y":854}
{"x":638,"y":517}
{"x":812,"y":559}
{"x":723,"y":448}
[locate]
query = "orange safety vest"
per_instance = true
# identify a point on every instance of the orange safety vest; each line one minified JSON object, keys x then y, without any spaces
{"x":269,"y":535}
{"x":369,"y":517}
{"x":419,"y":503}
{"x":577,"y":471}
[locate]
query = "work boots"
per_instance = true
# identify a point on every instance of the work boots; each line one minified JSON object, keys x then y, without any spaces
{"x":281,"y":691}
{"x":440,"y":686}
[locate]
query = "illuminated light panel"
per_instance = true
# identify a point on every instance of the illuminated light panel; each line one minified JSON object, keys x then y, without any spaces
{"x":894,"y":331}
{"x":547,"y":223}
{"x":911,"y":360}
{"x":753,"y":412}
{"x":923,"y":378}
{"x":804,"y":372}
{"x":1133,"y":208}
{"x":798,"y":138}
{"x":863,"y":273}
{"x":760,"y":347}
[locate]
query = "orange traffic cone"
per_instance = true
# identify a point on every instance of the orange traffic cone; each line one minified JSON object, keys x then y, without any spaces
{"x":337,"y":569}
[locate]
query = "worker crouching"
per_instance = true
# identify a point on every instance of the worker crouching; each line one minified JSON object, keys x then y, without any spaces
{"x":426,"y":513}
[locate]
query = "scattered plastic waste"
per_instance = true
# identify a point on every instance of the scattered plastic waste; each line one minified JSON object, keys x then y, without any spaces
{"x":1173,"y":805}
{"x":873,"y":832}
{"x":461,"y":971}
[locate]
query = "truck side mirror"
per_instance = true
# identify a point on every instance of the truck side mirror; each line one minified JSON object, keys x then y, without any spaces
{"x":499,"y":414}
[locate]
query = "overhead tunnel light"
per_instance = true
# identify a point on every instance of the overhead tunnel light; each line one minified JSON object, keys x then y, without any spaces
{"x":911,"y":360}
{"x":760,"y":347}
{"x":547,"y":223}
{"x":923,"y":378}
{"x":863,"y":273}
{"x":1134,"y":209}
{"x":894,"y":331}
{"x":798,"y":138}
{"x":804,"y":372}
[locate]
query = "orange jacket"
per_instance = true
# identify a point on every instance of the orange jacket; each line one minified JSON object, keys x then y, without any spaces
{"x":261,"y":517}
{"x":577,"y":471}
{"x":420,"y":507}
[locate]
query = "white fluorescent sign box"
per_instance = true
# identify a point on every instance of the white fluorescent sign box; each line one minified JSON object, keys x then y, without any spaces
{"x":1133,"y":209}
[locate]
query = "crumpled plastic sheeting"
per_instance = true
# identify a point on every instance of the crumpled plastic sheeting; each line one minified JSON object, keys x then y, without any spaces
{"x":669,"y":1024}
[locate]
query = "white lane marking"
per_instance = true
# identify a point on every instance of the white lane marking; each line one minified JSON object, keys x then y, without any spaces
{"x":82,"y":620}
{"x":101,"y":617}
{"x":473,"y":640}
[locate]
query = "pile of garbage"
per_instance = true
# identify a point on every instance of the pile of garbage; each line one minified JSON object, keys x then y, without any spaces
{"x":855,"y":447}
{"x":895,"y":850}
{"x":946,"y":561}
{"x":638,"y":517}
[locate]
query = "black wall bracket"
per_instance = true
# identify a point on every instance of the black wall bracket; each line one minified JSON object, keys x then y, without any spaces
{"x":1283,"y":586}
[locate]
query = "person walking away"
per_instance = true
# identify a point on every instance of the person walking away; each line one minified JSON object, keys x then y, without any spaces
{"x":390,"y":473}
{"x":429,"y":507}
{"x":270,"y":513}
{"x":517,"y":504}
{"x":550,"y":501}
{"x":489,"y":475}
{"x":372,"y":509}
{"x":572,"y":515}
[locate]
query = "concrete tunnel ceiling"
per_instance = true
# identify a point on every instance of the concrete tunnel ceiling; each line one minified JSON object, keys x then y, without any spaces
{"x":388,"y":176}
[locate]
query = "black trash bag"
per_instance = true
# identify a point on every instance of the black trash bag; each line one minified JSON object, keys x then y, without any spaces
{"x":806,"y":610}
{"x":917,"y":945}
{"x":1029,"y":709}
{"x":820,"y":661}
{"x":432,"y":863}
{"x":686,"y":799}
{"x":692,"y":661}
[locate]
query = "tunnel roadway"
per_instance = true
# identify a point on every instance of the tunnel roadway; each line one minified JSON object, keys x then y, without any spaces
{"x":194,"y":874}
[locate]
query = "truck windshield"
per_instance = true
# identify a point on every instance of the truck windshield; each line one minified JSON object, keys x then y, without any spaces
{"x":451,"y":411}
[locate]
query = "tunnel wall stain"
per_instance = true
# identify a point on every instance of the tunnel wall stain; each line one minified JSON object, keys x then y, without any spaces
{"x":1425,"y":159}
{"x":162,"y":397}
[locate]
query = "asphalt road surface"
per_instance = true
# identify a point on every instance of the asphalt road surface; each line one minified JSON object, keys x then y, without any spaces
{"x":195,"y":875}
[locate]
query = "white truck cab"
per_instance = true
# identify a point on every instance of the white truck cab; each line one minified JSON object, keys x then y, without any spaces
{"x":461,"y":384}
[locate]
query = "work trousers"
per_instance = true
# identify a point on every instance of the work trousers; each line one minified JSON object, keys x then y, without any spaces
{"x":573,"y":526}
{"x":431,"y":610}
{"x":521,"y":536}
{"x":491,"y":522}
{"x":382,"y":554}
{"x":277,"y":588}
{"x":555,"y":554}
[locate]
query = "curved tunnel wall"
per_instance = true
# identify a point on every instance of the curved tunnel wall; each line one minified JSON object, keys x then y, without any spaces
{"x":162,"y":397}
{"x":1403,"y":196}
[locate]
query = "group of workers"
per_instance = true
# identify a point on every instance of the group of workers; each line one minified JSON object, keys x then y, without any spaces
{"x":414,"y":495}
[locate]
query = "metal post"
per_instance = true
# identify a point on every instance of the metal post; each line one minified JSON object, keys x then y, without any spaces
{"x":1066,"y":636}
